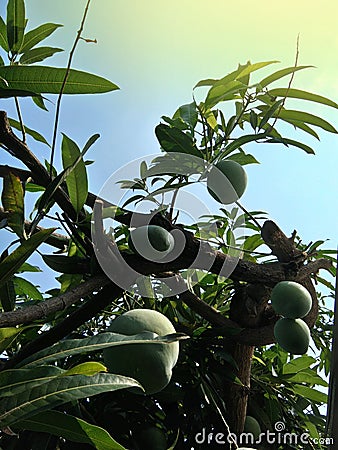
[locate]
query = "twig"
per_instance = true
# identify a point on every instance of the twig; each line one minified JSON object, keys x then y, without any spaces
{"x":58,"y":104}
{"x":18,"y":109}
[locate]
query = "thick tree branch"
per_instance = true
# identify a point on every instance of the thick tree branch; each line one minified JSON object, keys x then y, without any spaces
{"x":43,"y":309}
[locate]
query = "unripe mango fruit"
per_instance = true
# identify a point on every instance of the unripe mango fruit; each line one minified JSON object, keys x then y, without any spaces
{"x":227,"y":181}
{"x":252,"y":426}
{"x":151,"y":242}
{"x":152,"y":438}
{"x":149,"y":364}
{"x":291,"y":299}
{"x":293,"y":335}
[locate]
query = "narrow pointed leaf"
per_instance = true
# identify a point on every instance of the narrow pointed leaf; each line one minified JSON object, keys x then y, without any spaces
{"x":15,"y":24}
{"x":174,"y":140}
{"x":91,"y":141}
{"x":302,"y":95}
{"x":3,"y":35}
{"x":280,"y":74}
{"x":33,"y":37}
{"x":44,"y":79}
{"x":224,"y":92}
{"x":13,"y":202}
{"x":7,"y":335}
{"x":287,"y":142}
{"x":15,"y":381}
{"x":302,"y":116}
{"x":27,"y":289}
{"x":77,"y":181}
{"x":82,"y":346}
{"x":67,"y":264}
{"x":237,"y":143}
{"x":38,"y":54}
{"x":10,"y":264}
{"x":270,"y":112}
{"x":249,"y":68}
{"x":88,"y":368}
{"x":58,"y":391}
{"x":34,"y":134}
{"x":70,"y":428}
{"x":7,"y":298}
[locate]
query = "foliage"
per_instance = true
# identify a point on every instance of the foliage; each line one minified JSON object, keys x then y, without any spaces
{"x":53,"y":378}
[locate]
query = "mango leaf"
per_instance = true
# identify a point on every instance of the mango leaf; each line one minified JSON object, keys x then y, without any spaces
{"x":77,"y":181}
{"x":287,"y":142}
{"x":174,"y":140}
{"x":58,"y":391}
{"x":49,"y":80}
{"x":15,"y":24}
{"x":7,"y":336}
{"x":81,"y":346}
{"x":12,"y":262}
{"x":298,"y":364}
{"x":7,"y":296}
{"x":188,"y":113}
{"x":15,"y":381}
{"x":88,"y":368}
{"x":38,"y":54}
{"x":13,"y":202}
{"x":67,"y":264}
{"x":310,"y":393}
{"x":3,"y":35}
{"x":91,"y":141}
{"x":280,"y":74}
{"x":34,"y":134}
{"x":37,"y":35}
{"x":243,"y":158}
{"x":2,"y":62}
{"x":306,"y":376}
{"x":269,"y":112}
{"x":70,"y":428}
{"x":26,"y":288}
{"x":220,"y":93}
{"x":39,"y":101}
{"x":303,"y":95}
{"x":237,"y":143}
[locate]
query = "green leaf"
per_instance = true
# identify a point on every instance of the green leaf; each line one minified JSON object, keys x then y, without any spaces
{"x":249,"y":68}
{"x":269,"y":112}
{"x":26,"y":288}
{"x":10,"y":264}
{"x":39,"y":101}
{"x":49,"y":80}
{"x":303,"y":95}
{"x":15,"y":381}
{"x":3,"y":35}
{"x":91,"y":141}
{"x":76,"y":180}
{"x":310,"y":393}
{"x":220,"y":93}
{"x":7,"y":296}
{"x":58,"y":391}
{"x":243,"y":158}
{"x":298,"y":364}
{"x":280,"y":74}
{"x":237,"y":143}
{"x":287,"y":142}
{"x":7,"y":335}
{"x":81,"y":346}
{"x":16,"y":22}
{"x":308,"y":376}
{"x":70,"y":428}
{"x":2,"y":62}
{"x":13,"y":202}
{"x":38,"y":54}
{"x":88,"y":368}
{"x":37,"y":35}
{"x":188,"y":113}
{"x":67,"y":264}
{"x":34,"y":134}
{"x":174,"y":140}
{"x":301,"y":116}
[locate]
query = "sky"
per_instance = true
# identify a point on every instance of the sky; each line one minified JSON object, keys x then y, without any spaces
{"x":156,"y":51}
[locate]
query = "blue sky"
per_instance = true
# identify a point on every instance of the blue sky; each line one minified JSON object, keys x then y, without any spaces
{"x":156,"y":51}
